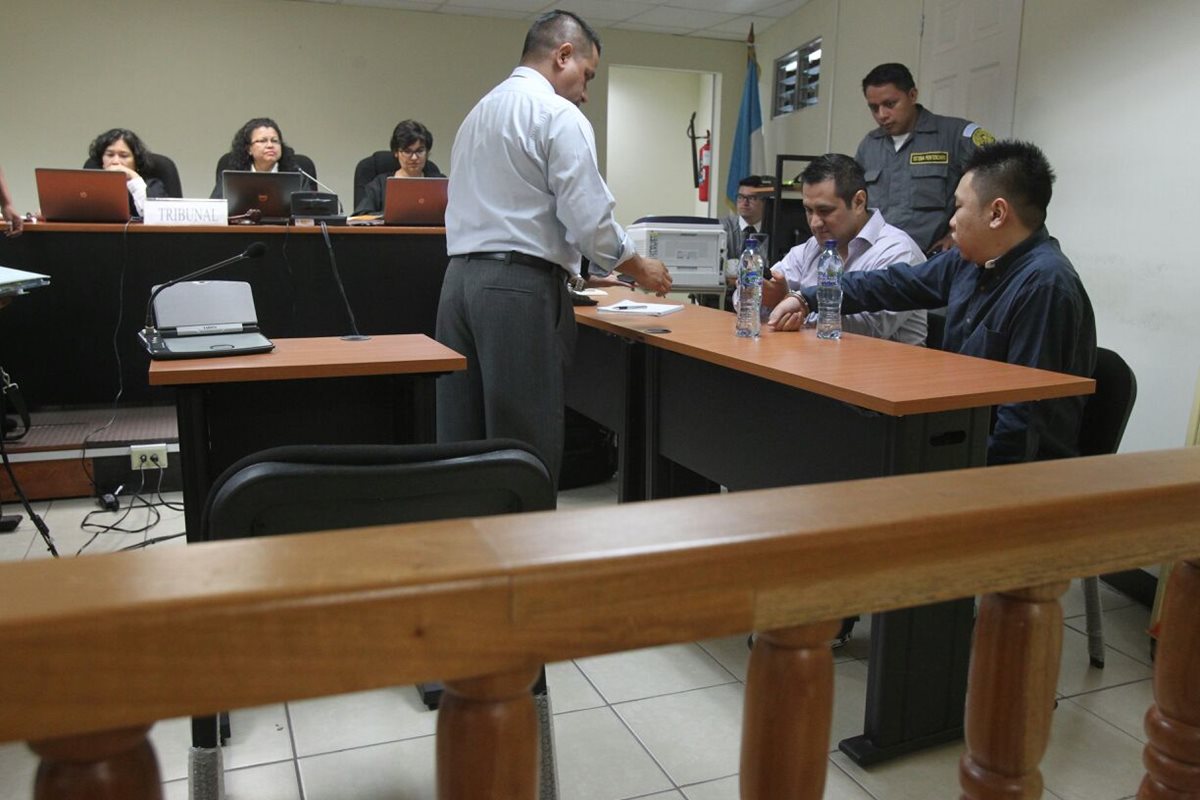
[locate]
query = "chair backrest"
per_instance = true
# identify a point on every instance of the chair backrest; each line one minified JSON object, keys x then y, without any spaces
{"x":303,"y":488}
{"x":1107,"y":411}
{"x":379,"y":163}
{"x":164,"y":169}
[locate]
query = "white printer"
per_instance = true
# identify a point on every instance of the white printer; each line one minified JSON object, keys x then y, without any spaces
{"x":693,"y":248}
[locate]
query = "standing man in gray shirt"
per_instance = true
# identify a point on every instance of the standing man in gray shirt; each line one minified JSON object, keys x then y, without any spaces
{"x":914,"y":159}
{"x":526,"y":200}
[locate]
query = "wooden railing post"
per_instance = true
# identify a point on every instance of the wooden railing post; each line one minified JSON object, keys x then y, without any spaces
{"x":788,"y":711}
{"x":1172,"y":756}
{"x":109,"y":765}
{"x":1010,"y":693}
{"x":487,"y":742}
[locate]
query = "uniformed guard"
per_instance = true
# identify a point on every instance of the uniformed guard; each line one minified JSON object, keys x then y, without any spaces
{"x":914,"y":159}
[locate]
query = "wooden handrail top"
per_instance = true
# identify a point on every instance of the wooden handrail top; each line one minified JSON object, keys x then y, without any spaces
{"x":137,"y":637}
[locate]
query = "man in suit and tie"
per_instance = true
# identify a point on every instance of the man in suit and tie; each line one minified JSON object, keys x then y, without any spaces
{"x":748,"y":218}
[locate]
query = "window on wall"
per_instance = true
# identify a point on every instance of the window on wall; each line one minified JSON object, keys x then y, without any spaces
{"x":797,"y":79}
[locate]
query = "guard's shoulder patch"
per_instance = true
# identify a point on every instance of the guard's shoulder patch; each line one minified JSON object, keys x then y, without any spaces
{"x":979,"y":136}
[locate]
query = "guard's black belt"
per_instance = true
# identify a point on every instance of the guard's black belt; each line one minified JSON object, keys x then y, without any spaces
{"x":513,"y":257}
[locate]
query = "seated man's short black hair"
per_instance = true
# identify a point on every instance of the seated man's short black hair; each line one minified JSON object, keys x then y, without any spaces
{"x":1017,"y":171}
{"x":753,"y":181}
{"x":893,"y":73}
{"x":847,"y":175}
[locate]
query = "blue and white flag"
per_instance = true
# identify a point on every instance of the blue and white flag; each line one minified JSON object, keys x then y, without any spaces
{"x":747,"y":157}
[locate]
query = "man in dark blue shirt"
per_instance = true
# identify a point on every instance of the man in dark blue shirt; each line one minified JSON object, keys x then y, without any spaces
{"x":1010,"y":295}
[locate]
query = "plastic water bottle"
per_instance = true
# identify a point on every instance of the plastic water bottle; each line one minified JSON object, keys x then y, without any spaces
{"x":829,"y":292}
{"x":750,"y":275}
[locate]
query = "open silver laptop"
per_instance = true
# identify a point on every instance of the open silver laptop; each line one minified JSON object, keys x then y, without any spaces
{"x":197,"y":319}
{"x":415,"y":201}
{"x":18,"y":281}
{"x":82,"y":195}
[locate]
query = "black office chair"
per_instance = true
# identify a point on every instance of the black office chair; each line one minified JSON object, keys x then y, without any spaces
{"x":936,"y":328}
{"x":379,"y":163}
{"x":162,"y":167}
{"x":303,"y":488}
{"x":304,"y":162}
{"x":1104,"y":418}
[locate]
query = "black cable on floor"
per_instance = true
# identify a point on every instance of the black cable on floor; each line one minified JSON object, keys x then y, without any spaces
{"x":137,"y":500}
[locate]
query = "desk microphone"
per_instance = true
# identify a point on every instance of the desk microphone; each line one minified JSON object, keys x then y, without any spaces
{"x":149,"y":333}
{"x":313,"y":178}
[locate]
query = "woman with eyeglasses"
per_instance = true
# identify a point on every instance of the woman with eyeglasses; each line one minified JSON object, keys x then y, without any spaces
{"x":120,"y":150}
{"x":258,"y":146}
{"x":411,"y":143}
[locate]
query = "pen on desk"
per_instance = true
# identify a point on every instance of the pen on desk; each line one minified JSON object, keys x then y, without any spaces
{"x":628,"y":308}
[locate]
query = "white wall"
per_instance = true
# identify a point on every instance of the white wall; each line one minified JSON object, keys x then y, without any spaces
{"x":855,"y":37}
{"x":649,"y":167}
{"x":185,"y":75}
{"x":1104,"y":88}
{"x":805,"y":131}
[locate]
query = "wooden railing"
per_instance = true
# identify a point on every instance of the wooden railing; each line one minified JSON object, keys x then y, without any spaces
{"x":93,"y":650}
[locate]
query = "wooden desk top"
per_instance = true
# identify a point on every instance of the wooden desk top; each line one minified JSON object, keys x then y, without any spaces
{"x":138,"y":228}
{"x":888,"y":377}
{"x":323,"y":357}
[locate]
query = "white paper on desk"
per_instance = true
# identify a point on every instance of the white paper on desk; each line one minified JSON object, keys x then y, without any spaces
{"x":642,"y":309}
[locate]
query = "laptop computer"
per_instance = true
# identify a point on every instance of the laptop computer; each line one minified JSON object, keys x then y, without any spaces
{"x":269,"y":192}
{"x":415,"y":201}
{"x":198,"y":319}
{"x":18,"y":281}
{"x":82,"y":195}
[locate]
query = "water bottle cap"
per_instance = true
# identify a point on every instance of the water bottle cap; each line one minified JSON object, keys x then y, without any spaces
{"x":831,"y":244}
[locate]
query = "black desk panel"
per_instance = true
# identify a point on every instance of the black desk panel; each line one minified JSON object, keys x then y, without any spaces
{"x":58,"y":342}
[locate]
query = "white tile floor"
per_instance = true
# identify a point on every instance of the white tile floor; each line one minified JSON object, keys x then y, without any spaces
{"x":658,"y":723}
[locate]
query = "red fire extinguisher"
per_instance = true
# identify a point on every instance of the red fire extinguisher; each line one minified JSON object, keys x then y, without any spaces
{"x":705,"y":170}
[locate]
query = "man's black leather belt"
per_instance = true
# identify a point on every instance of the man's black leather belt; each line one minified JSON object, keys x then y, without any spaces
{"x":513,"y":257}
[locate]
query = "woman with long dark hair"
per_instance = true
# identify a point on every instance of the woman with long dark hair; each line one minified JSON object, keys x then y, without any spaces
{"x":258,"y":146}
{"x":122,"y":150}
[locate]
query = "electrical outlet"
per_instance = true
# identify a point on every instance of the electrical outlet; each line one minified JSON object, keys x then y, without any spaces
{"x":147,"y":456}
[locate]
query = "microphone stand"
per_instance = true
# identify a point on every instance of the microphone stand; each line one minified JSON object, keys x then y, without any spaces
{"x":151,"y":338}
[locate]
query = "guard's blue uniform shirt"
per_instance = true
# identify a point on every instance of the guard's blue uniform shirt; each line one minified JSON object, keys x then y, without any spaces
{"x":914,"y":186}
